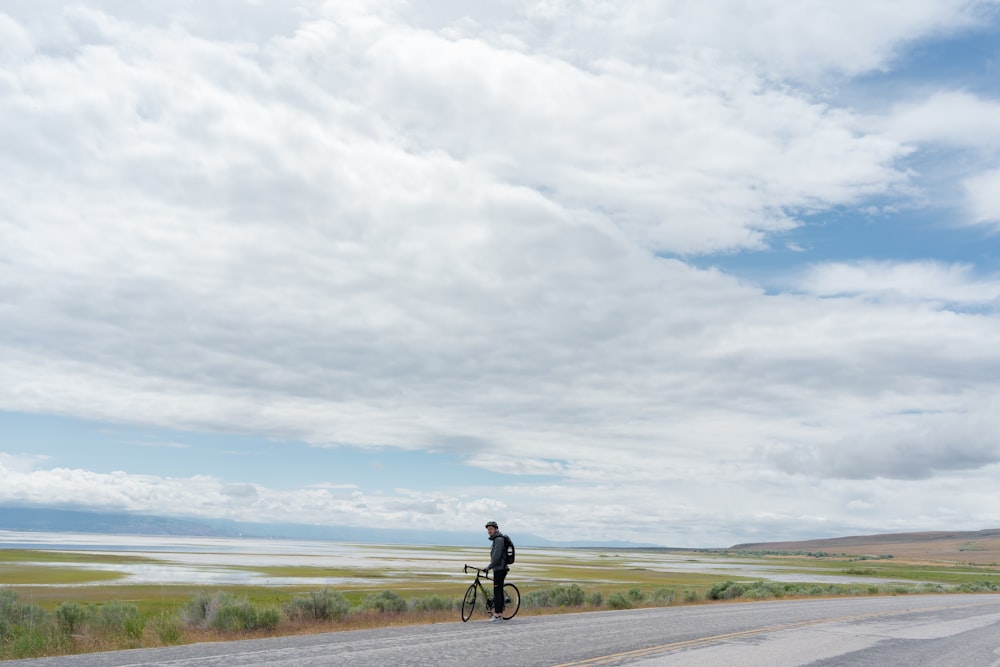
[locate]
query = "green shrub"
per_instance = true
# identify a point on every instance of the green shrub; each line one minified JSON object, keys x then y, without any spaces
{"x":386,"y":602}
{"x":235,"y":615}
{"x":70,"y":616}
{"x":30,"y":641}
{"x":16,"y":616}
{"x":726,"y":590}
{"x":120,"y":618}
{"x":596,"y":599}
{"x":636,"y":595}
{"x":570,"y":596}
{"x":537,"y":599}
{"x":321,"y":605}
{"x":757,"y":590}
{"x":198,"y":609}
{"x":619,"y":601}
{"x":167,"y":628}
{"x":977,"y":587}
{"x":562,"y":596}
{"x":662,"y":596}
{"x":764,"y":590}
{"x":691,"y":595}
{"x":25,"y":629}
{"x":10,"y":602}
{"x":268,"y":619}
{"x":432,"y":603}
{"x":900,"y":589}
{"x":224,"y":611}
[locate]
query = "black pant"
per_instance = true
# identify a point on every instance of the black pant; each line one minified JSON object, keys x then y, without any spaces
{"x":498,"y":578}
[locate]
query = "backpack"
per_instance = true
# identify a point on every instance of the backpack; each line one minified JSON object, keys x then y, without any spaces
{"x":511,"y":552}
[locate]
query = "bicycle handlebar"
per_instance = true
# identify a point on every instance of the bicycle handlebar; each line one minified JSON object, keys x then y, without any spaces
{"x":479,"y":571}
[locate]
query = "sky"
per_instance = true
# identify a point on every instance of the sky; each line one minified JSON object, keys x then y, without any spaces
{"x":683,"y":272}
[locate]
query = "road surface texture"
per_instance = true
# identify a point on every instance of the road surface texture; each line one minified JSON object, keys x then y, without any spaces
{"x":916,"y":631}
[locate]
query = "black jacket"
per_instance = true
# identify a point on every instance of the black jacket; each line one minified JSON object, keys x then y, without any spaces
{"x":498,"y":552}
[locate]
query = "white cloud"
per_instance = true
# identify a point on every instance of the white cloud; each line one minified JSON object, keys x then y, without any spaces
{"x":199,"y":496}
{"x":688,"y":159}
{"x":15,"y":43}
{"x":983,"y":192}
{"x":165,"y":445}
{"x":804,"y":40}
{"x":905,"y":281}
{"x":901,"y":446}
{"x":21,"y":463}
{"x":953,"y":117}
{"x":962,"y":121}
{"x":517,"y":466}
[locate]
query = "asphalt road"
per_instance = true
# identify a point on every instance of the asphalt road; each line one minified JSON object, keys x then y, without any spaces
{"x":916,"y":631}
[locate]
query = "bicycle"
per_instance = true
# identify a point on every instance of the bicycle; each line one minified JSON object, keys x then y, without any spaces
{"x":511,"y":596}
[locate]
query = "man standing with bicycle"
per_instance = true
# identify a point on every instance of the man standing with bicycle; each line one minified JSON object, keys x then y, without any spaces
{"x":498,"y":563}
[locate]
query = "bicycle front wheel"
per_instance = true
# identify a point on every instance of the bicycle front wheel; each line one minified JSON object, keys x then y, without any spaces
{"x":511,"y":600}
{"x":468,"y":602}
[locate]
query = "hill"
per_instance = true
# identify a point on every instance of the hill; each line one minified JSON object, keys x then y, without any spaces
{"x":54,"y":520}
{"x":41,"y":519}
{"x":982,"y":546}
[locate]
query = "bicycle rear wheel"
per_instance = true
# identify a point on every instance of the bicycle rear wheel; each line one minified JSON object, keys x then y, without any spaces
{"x":511,"y":600}
{"x":468,"y":602}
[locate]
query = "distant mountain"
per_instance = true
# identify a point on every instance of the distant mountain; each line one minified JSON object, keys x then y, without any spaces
{"x":54,"y":520}
{"x":66,"y":521}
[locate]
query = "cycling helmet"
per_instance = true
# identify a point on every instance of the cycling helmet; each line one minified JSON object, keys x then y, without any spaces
{"x":494,"y":524}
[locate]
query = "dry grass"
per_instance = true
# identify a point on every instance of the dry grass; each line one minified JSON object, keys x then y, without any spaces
{"x":981,"y":547}
{"x":31,"y":574}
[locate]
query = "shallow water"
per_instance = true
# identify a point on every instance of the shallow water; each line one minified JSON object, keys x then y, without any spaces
{"x":232,"y":561}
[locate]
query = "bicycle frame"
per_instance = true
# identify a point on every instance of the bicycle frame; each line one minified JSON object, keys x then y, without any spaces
{"x":512,"y":596}
{"x":478,"y":583}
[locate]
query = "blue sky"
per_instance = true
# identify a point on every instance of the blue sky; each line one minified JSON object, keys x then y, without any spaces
{"x":687,"y":273}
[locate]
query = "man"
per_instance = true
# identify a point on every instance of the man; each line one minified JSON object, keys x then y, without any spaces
{"x":498,"y":563}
